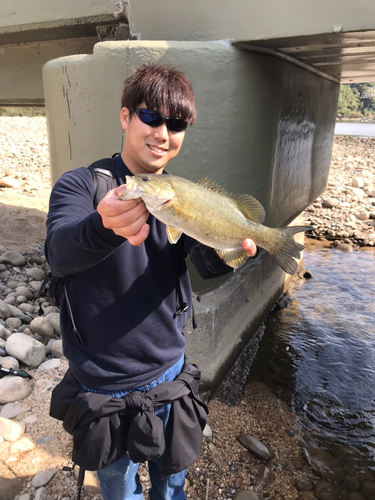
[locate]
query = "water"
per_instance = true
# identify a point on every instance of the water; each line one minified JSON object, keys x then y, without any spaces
{"x":355,"y":129}
{"x":318,"y":355}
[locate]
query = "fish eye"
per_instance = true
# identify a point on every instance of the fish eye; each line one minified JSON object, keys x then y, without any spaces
{"x":145,"y":179}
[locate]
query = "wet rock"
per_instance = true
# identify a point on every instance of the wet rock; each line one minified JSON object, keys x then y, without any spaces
{"x":325,"y":465}
{"x":304,"y":485}
{"x":256,"y":447}
{"x":26,"y":349}
{"x":10,"y":430}
{"x":368,"y":490}
{"x":352,"y":483}
{"x":13,"y":389}
{"x":326,"y":491}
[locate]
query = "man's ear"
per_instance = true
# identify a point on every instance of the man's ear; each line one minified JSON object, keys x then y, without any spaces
{"x":124,"y":117}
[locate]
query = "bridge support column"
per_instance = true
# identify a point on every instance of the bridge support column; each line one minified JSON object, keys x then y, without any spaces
{"x":265,"y":127}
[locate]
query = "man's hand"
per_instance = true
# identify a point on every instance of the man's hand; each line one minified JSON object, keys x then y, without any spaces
{"x":249,"y":246}
{"x":125,"y":218}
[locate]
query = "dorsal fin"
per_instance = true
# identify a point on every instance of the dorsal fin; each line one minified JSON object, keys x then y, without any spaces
{"x":212,"y":186}
{"x":250,"y":207}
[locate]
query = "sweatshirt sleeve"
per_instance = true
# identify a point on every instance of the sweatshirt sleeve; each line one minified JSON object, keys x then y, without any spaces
{"x":76,"y":238}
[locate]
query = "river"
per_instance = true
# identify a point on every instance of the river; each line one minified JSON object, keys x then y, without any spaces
{"x":355,"y":129}
{"x":318,"y":355}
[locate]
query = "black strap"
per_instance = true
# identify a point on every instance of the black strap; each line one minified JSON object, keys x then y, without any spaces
{"x":104,"y":177}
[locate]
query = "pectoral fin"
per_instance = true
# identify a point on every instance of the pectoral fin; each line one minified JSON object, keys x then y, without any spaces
{"x":233,"y":258}
{"x":173,"y":234}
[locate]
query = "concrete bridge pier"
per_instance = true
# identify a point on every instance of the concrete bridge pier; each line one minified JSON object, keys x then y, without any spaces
{"x":265,"y":127}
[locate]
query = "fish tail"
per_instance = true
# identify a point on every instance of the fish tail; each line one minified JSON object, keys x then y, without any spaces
{"x":287,"y":249}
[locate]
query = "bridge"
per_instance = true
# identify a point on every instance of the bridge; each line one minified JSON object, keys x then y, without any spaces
{"x":266,"y":77}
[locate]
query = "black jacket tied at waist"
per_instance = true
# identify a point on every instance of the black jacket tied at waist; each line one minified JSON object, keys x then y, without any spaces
{"x":104,"y":428}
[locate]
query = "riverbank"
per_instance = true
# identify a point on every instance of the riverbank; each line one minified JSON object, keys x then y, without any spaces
{"x":225,"y":468}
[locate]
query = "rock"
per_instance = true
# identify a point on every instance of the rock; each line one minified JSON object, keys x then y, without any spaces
{"x":43,"y":386}
{"x":9,"y":182}
{"x":35,"y":285}
{"x":255,"y":446}
{"x":50,"y":364}
{"x":358,"y":182}
{"x":22,"y":445}
{"x":42,"y":494}
{"x":368,"y":490}
{"x":215,"y":453}
{"x":245,"y":495}
{"x":13,"y":323}
{"x":352,"y":483}
{"x":26,"y":349}
{"x":10,"y":430}
{"x":26,"y":496}
{"x":42,"y":478}
{"x":362,"y":215}
{"x":326,"y":491}
{"x":57,"y":349}
{"x":10,"y":411}
{"x":4,"y":310}
{"x":42,"y":327}
{"x":54,"y":319}
{"x":35,"y":273}
{"x":12,"y":258}
{"x":31,"y":419}
{"x":304,"y":485}
{"x":13,"y":388}
{"x":207,"y":431}
{"x":28,"y":308}
{"x":330,"y":202}
{"x":91,"y":482}
{"x":325,"y":465}
{"x":10,"y":363}
{"x":23,"y":290}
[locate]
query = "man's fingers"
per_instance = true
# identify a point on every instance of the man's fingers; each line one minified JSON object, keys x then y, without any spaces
{"x":139,"y":238}
{"x":250,"y":247}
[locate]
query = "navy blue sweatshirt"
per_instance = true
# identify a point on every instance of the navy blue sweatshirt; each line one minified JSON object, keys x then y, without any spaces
{"x":123,"y":298}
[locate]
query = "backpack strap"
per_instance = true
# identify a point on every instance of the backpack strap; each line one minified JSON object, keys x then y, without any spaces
{"x":104,"y":177}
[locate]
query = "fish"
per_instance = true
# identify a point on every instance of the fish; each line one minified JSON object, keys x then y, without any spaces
{"x":214,"y":217}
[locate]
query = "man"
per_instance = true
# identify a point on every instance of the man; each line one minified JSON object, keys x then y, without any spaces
{"x":121,"y":319}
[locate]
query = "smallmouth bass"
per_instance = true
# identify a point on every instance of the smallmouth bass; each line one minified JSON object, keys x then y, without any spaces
{"x":214,"y":217}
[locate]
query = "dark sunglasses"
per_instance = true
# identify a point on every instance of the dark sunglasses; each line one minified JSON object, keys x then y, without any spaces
{"x":155,"y":119}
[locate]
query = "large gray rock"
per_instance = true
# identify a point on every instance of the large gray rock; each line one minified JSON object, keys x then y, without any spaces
{"x":13,"y":388}
{"x":10,"y":430}
{"x":25,"y":291}
{"x":13,"y":258}
{"x":43,"y":477}
{"x":57,"y":349}
{"x":26,"y":349}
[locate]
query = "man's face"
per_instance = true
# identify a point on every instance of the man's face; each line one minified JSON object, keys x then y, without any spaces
{"x":147,"y":149}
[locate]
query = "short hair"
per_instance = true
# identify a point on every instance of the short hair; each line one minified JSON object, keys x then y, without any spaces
{"x":162,"y":89}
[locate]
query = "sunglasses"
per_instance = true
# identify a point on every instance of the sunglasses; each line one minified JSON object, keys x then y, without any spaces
{"x":155,"y":119}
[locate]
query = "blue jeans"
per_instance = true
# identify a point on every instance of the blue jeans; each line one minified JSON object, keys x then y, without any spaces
{"x":120,"y":480}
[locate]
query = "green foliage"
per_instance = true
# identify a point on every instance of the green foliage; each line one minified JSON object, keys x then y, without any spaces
{"x":22,"y":111}
{"x":356,"y":100}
